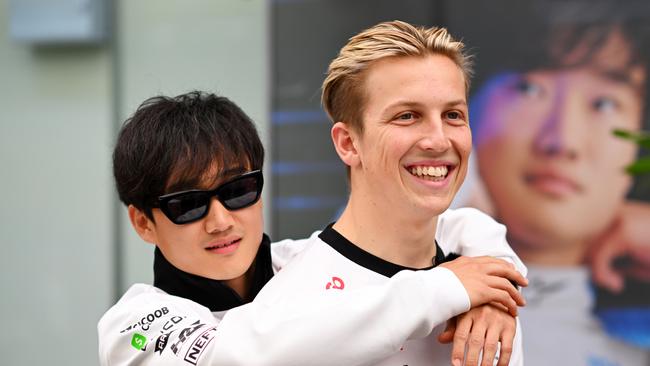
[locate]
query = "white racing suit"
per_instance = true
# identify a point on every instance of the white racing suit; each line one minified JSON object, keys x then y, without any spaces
{"x":189,"y":320}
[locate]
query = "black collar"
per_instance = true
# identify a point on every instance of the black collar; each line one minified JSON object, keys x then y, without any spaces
{"x":213,"y":294}
{"x":359,"y":256}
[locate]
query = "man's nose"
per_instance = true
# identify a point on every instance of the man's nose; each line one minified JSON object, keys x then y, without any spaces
{"x":219,"y":219}
{"x":433,"y":136}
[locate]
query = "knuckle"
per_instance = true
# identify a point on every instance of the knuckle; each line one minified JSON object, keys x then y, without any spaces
{"x":487,"y":361}
{"x":476,"y":341}
{"x":490,"y":347}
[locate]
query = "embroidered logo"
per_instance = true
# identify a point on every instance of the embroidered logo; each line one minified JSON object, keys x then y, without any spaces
{"x":336,"y":283}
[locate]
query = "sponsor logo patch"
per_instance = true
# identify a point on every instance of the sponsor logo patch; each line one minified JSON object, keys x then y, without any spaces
{"x":184,"y":335}
{"x":148,"y":319}
{"x":198,"y":346}
{"x":139,"y":342}
{"x":161,"y":342}
{"x":336,"y":284}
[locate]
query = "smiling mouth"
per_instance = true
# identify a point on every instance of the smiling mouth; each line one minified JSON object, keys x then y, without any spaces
{"x":432,"y":173}
{"x":223,"y":245}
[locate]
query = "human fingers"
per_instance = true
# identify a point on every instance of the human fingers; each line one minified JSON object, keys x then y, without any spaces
{"x":508,"y":302}
{"x":484,"y":290}
{"x":510,"y":273}
{"x":491,"y":345}
{"x":511,"y":290}
{"x":602,"y":258}
{"x":485,"y":266}
{"x":475,"y":342}
{"x":498,"y":283}
{"x":447,"y":335}
{"x":492,"y":266}
{"x":463,"y":327}
{"x":507,"y":341}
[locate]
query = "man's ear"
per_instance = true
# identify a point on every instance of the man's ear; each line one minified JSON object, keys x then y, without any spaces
{"x":345,"y":143}
{"x":142,"y":224}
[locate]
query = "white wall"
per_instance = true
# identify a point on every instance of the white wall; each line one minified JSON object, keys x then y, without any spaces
{"x":171,"y":47}
{"x":55,"y":216}
{"x":57,"y":124}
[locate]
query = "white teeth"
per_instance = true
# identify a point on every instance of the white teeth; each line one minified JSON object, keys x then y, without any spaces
{"x":222,"y":245}
{"x":431,"y":171}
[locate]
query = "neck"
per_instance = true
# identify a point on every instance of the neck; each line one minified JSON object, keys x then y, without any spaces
{"x":241,"y":284}
{"x":559,"y":253}
{"x":406,"y":240}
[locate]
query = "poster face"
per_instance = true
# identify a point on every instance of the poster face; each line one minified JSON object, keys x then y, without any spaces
{"x":554,"y":80}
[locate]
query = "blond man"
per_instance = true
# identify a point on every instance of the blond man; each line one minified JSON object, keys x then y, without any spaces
{"x":397,"y":95}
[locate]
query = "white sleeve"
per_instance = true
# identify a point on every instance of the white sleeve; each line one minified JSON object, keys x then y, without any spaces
{"x":285,"y":250}
{"x":470,"y":232}
{"x":356,"y":327}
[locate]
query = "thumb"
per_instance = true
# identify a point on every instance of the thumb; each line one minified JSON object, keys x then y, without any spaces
{"x":602,"y":258}
{"x":447,"y":335}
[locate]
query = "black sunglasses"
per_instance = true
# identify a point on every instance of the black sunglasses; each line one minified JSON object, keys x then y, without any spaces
{"x":188,"y":206}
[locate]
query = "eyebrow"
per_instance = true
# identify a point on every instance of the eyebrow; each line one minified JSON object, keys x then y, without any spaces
{"x":410,"y":104}
{"x":619,"y":76}
{"x":222,"y":177}
{"x":454,"y":103}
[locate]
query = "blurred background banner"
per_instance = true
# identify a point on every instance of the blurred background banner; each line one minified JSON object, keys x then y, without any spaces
{"x":554,"y":78}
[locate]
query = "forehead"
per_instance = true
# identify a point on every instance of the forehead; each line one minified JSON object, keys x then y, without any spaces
{"x":426,"y":79}
{"x":611,"y":60}
{"x":207,"y":178}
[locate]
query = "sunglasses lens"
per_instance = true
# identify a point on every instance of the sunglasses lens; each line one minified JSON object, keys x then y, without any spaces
{"x":187,"y":208}
{"x":240,"y":193}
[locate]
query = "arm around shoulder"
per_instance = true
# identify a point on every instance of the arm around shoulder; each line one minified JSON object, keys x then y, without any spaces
{"x":472,"y":233}
{"x":149,"y":327}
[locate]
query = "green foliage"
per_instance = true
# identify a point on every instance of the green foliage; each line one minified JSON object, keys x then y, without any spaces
{"x":642,"y":165}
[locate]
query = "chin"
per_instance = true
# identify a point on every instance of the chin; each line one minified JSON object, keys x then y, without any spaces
{"x":436,"y":209}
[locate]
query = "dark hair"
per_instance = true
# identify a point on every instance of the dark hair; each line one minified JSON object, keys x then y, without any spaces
{"x":540,"y":34}
{"x":177,"y":141}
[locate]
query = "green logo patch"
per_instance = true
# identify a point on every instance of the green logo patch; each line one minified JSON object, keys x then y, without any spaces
{"x":138,"y":341}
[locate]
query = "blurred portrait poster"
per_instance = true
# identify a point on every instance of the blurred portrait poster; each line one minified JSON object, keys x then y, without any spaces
{"x":554,"y":81}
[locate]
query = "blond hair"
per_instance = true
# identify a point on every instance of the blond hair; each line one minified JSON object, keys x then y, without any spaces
{"x":343,"y":97}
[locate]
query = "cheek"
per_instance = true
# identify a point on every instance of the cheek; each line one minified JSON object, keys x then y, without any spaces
{"x":464,"y":142}
{"x":380,"y":151}
{"x":500,"y":164}
{"x":610,"y":154}
{"x":252,"y":220}
{"x":609,"y":166}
